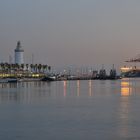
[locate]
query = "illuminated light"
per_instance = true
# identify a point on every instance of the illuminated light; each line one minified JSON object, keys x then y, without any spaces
{"x":35,"y":75}
{"x":126,"y":69}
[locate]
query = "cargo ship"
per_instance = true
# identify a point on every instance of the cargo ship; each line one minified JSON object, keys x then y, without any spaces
{"x":130,"y":72}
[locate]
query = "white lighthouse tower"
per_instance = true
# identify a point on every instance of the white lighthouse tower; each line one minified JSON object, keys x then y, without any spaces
{"x":19,"y":54}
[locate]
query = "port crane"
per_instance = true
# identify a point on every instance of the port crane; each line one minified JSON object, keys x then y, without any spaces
{"x":135,"y":59}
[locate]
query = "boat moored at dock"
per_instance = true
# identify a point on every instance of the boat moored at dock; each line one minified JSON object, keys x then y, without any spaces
{"x":8,"y":80}
{"x":49,"y":78}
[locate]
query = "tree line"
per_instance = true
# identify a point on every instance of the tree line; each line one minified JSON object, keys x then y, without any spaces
{"x":37,"y":68}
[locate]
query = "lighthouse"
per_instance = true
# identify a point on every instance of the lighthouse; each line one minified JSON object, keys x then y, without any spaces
{"x":19,"y":54}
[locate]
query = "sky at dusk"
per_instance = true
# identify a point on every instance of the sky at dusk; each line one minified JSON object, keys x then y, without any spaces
{"x":71,"y":32}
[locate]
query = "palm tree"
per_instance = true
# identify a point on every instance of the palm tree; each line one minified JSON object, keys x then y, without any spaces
{"x":35,"y":67}
{"x":9,"y":68}
{"x":39,"y":67}
{"x":17,"y":66}
{"x":0,"y":66}
{"x":31,"y":67}
{"x":22,"y":67}
{"x":27,"y":66}
{"x":45,"y":68}
{"x":49,"y":68}
{"x":5,"y":67}
{"x":13,"y":67}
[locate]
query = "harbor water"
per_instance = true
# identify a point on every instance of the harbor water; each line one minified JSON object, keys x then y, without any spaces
{"x":70,"y":110}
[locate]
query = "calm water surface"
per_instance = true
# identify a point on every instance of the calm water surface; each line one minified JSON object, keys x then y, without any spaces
{"x":70,"y":110}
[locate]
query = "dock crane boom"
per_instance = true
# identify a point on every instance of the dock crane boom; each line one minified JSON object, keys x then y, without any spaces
{"x":136,"y":59}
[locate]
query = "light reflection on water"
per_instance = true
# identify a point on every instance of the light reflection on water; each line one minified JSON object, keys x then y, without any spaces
{"x":127,"y":120}
{"x":65,"y":87}
{"x":124,"y":117}
{"x":78,"y":88}
{"x":126,"y":89}
{"x":71,"y":110}
{"x":23,"y":92}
